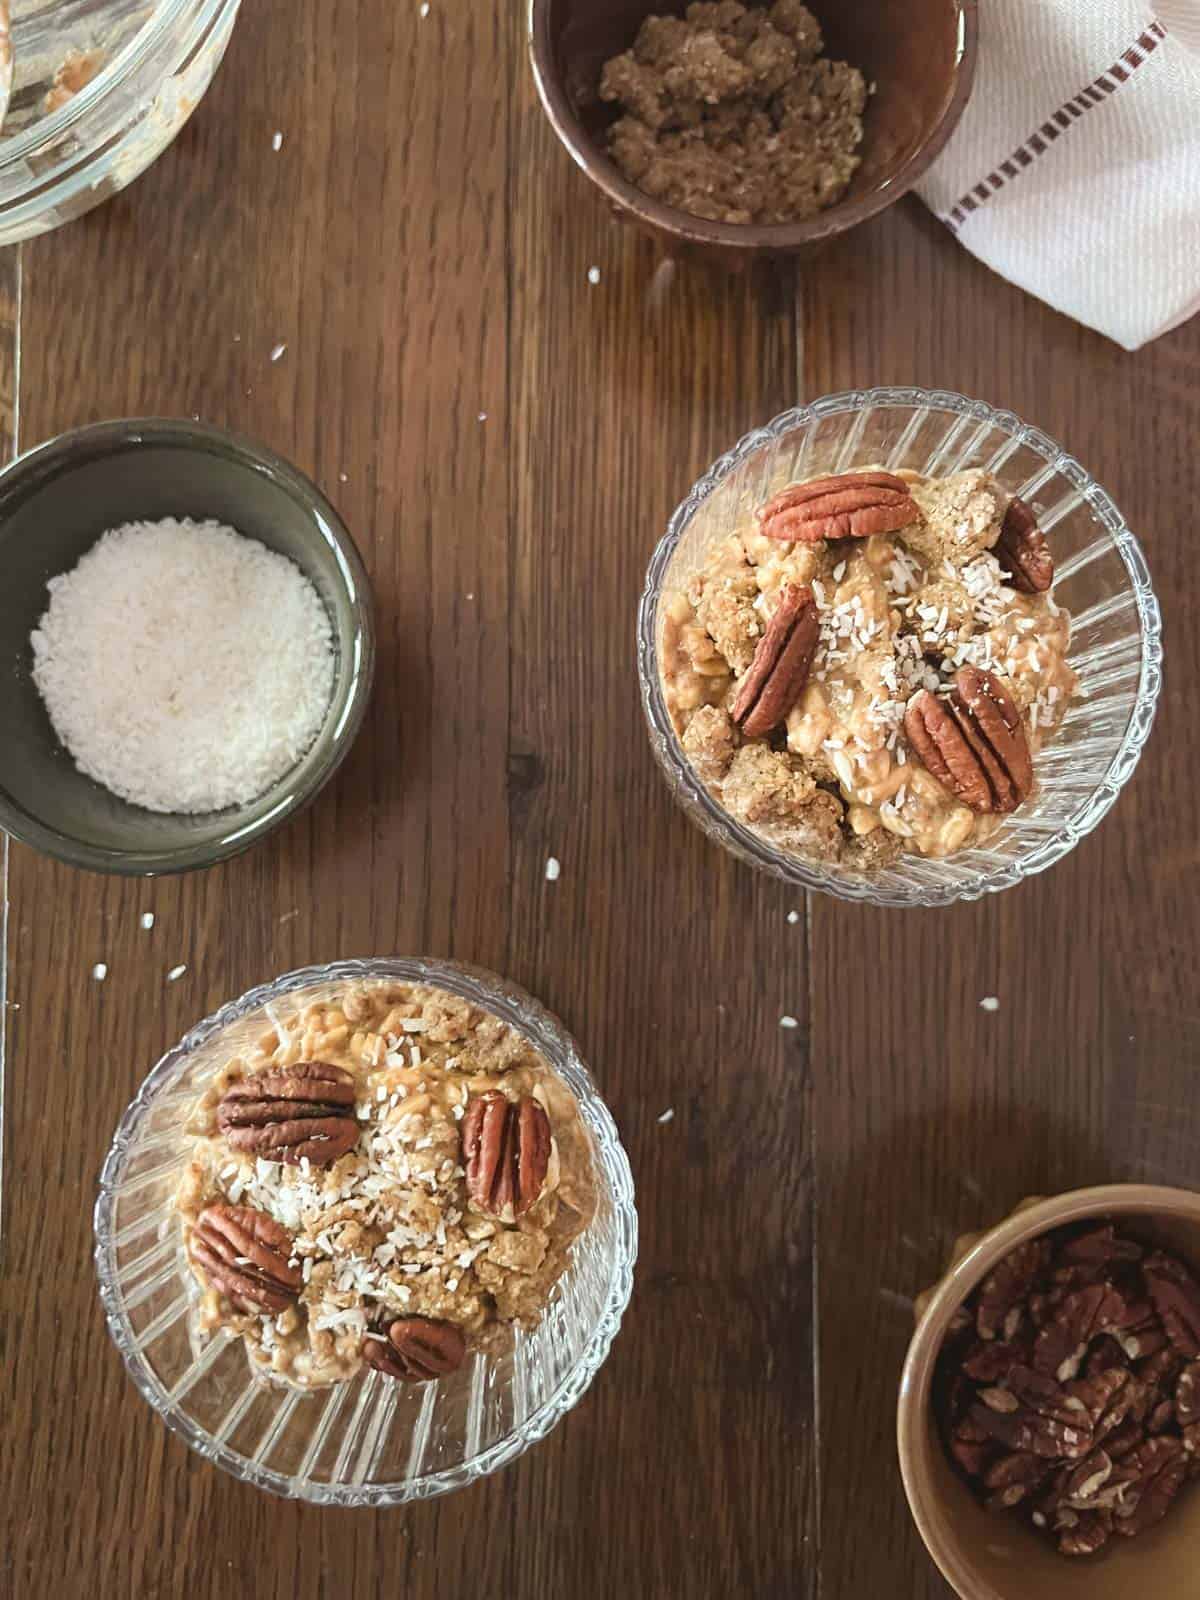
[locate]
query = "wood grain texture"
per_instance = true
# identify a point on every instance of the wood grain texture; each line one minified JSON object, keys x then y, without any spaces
{"x":421,"y":245}
{"x":932,"y":1116}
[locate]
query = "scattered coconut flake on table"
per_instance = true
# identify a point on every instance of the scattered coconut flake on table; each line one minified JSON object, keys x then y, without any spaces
{"x":793,"y":916}
{"x":482,"y":417}
{"x":990,"y":1003}
{"x":593,"y":274}
{"x":788,"y":1022}
{"x":147,"y":920}
{"x":277,"y":140}
{"x":278,"y":351}
{"x":423,"y":10}
{"x":183,"y":666}
{"x":552,"y":870}
{"x":668,"y":1115}
{"x":176,"y":972}
{"x":100,"y":971}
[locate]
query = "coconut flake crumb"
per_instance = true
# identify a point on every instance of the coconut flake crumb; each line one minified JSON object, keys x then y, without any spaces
{"x":989,"y":1003}
{"x":277,"y":140}
{"x":788,"y":1022}
{"x":423,"y":9}
{"x":147,"y":920}
{"x":593,"y":275}
{"x":176,"y":972}
{"x":552,"y":869}
{"x":100,"y":971}
{"x":278,"y":351}
{"x":793,"y":916}
{"x":668,"y":1115}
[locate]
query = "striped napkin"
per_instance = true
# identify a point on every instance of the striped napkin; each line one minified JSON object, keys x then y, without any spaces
{"x":1075,"y":171}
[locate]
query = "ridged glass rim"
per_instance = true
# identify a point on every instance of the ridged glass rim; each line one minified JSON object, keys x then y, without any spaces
{"x":665,"y":742}
{"x":116,"y":72}
{"x":516,"y":1006}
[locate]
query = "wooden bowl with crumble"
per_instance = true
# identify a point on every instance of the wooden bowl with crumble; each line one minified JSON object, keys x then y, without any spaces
{"x":738,"y":130}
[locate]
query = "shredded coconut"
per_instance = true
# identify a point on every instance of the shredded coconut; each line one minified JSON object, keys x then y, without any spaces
{"x":185,"y":667}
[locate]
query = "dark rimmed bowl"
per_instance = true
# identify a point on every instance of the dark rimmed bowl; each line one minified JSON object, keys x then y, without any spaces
{"x":55,"y":502}
{"x":920,"y":55}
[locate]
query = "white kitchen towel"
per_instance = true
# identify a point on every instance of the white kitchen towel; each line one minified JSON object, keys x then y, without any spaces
{"x":1075,"y":171}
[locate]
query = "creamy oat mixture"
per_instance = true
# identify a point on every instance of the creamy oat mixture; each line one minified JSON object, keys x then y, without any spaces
{"x":838,"y":780}
{"x":388,"y":1230}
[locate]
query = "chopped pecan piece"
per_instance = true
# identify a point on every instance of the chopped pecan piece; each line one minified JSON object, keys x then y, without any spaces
{"x":415,"y":1349}
{"x":246,"y":1255}
{"x":1013,"y":1477}
{"x":1176,"y":1297}
{"x":1088,"y":1478}
{"x":850,"y":505}
{"x":506,"y":1152}
{"x":972,"y":742}
{"x":1022,"y":551}
{"x":305,"y":1112}
{"x":781,"y":664}
{"x":1035,"y":1416}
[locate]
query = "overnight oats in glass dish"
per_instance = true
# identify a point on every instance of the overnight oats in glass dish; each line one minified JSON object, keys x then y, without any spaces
{"x":857,"y":653}
{"x":368,"y":1233}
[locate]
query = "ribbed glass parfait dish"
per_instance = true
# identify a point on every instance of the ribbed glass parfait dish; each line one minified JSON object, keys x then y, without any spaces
{"x":61,"y":152}
{"x":1100,"y":577}
{"x":370,"y":1441}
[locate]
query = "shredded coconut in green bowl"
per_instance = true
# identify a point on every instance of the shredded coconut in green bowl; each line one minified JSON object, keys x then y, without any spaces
{"x":185,"y":667}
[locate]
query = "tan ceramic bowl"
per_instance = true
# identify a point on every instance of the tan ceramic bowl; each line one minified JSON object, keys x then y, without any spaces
{"x":989,"y":1557}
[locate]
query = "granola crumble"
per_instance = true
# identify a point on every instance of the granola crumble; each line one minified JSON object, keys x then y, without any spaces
{"x":388,"y":1229}
{"x":838,"y":780}
{"x":732,"y":113}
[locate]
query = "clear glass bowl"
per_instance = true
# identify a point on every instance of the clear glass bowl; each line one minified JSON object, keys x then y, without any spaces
{"x":157,"y":58}
{"x":1100,"y":577}
{"x":370,"y":1441}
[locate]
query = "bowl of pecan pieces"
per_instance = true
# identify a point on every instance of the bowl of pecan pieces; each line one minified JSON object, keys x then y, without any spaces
{"x":900,"y":647}
{"x":367,"y":1233}
{"x":1049,"y":1414}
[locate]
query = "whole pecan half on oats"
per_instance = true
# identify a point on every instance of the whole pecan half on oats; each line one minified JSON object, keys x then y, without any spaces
{"x":246,"y":1255}
{"x":506,"y":1152}
{"x":777,"y":674}
{"x":849,"y":505}
{"x":295,"y":1113}
{"x":1022,"y":551}
{"x":415,"y":1349}
{"x":972,"y":741}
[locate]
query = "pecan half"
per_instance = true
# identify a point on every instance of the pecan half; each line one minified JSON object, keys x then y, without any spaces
{"x":781,"y":664}
{"x":849,"y":505}
{"x":1187,"y":1395}
{"x":1099,"y":1245}
{"x":1007,"y":1285}
{"x":1088,"y":1532}
{"x":1176,"y":1297}
{"x":506,"y":1152}
{"x":245,"y":1254}
{"x":992,"y":1363}
{"x":415,"y":1349}
{"x":1013,"y":1477}
{"x":1022,"y":551}
{"x":1062,"y":1344}
{"x":1149,"y":1478}
{"x":972,"y":742}
{"x":295,"y":1113}
{"x":1034,"y":1416}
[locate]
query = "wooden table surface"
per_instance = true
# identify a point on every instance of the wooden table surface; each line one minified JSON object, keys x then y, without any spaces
{"x":507,"y":439}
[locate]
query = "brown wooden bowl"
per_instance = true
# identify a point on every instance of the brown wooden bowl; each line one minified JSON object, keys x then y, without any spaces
{"x":985,"y":1556}
{"x":920,"y":54}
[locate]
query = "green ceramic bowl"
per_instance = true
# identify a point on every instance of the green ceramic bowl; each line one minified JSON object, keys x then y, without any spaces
{"x":55,"y":503}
